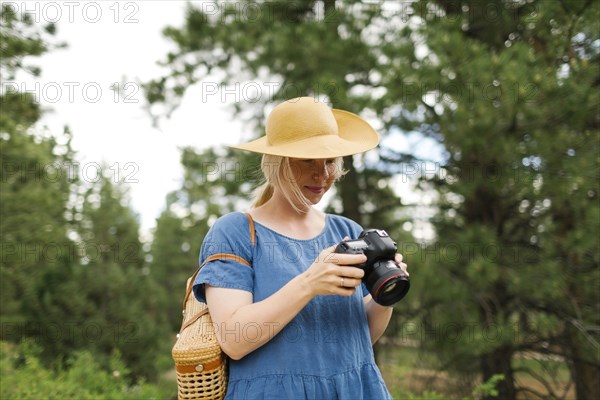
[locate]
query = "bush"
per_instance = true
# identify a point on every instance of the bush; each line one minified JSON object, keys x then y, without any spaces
{"x":81,"y":377}
{"x":484,"y":389}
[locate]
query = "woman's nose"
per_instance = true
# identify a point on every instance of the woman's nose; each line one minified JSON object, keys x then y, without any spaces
{"x":321,"y":170}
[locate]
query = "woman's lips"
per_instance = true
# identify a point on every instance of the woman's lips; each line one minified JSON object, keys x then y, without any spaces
{"x":315,"y":189}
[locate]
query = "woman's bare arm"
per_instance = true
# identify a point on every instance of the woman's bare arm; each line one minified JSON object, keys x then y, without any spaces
{"x":243,"y":326}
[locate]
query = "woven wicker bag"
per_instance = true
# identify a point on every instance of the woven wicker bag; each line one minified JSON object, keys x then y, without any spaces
{"x":200,"y":363}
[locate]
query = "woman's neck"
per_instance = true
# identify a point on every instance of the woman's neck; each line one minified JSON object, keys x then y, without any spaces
{"x":278,"y":204}
{"x":279,"y":215}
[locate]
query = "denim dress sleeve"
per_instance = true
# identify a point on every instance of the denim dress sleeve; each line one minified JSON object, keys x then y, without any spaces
{"x":229,"y":235}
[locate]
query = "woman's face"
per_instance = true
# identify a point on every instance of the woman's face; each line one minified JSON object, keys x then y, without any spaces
{"x":314,"y":177}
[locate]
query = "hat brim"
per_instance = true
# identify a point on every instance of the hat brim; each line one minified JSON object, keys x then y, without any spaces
{"x":355,"y":136}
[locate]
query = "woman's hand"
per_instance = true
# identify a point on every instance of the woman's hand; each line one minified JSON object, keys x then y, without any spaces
{"x":402,"y":265}
{"x":231,"y":309}
{"x":332,"y":273}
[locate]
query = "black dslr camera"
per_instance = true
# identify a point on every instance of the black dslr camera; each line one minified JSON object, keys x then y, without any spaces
{"x":384,"y":279}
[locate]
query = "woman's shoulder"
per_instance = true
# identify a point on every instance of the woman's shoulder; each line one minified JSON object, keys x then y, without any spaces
{"x":229,"y":234}
{"x":232,"y":223}
{"x":234,"y":217}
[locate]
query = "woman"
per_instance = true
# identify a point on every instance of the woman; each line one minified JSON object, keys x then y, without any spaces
{"x":297,"y":323}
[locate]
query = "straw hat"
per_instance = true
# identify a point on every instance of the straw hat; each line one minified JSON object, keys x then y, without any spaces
{"x":305,"y":128}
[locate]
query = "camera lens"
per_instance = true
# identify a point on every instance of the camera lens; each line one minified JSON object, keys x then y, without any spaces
{"x":387,"y":283}
{"x":390,"y":288}
{"x":392,"y":291}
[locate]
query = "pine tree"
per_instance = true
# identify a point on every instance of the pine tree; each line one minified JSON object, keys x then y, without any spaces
{"x":513,"y":98}
{"x":72,"y":267}
{"x":36,"y":175}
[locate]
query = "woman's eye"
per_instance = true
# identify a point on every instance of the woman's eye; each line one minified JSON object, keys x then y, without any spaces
{"x":331,"y":161}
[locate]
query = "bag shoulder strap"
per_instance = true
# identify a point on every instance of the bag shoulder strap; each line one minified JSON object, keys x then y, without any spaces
{"x":252,"y":230}
{"x":221,"y":256}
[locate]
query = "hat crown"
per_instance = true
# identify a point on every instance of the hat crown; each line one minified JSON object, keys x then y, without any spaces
{"x":298,"y":119}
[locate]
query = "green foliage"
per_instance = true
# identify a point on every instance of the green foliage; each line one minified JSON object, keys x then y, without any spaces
{"x":107,"y":299}
{"x":25,"y":376}
{"x":483,"y":390}
{"x":425,"y":395}
{"x":20,"y":37}
{"x":509,"y":89}
{"x":520,"y":185}
{"x":77,"y":282}
{"x":19,"y":111}
{"x":107,"y":220}
{"x":73,"y":272}
{"x":34,"y":175}
{"x":173,"y":259}
{"x":488,"y":388}
{"x":33,"y":178}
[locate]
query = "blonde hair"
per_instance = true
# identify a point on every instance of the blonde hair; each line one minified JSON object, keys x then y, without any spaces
{"x":277,"y":173}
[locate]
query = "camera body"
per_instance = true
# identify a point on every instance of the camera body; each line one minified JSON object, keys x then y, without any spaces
{"x":384,"y":279}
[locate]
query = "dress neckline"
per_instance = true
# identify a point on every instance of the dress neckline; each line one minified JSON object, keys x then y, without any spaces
{"x":296,"y":239}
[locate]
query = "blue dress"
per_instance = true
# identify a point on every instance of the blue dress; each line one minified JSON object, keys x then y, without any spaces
{"x":325,"y":352}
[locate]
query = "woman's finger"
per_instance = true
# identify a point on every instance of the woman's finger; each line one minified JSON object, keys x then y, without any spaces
{"x":349,"y":282}
{"x":404,"y":268}
{"x":345,"y":259}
